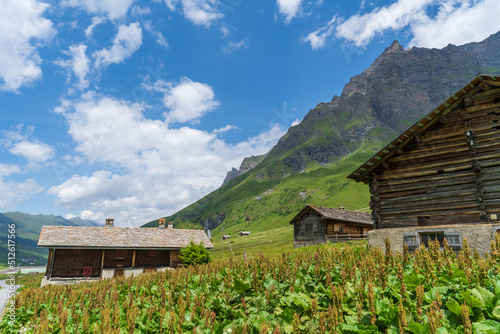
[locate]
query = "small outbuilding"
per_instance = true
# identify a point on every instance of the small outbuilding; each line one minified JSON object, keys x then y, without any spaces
{"x":77,"y":252}
{"x":317,"y":225}
{"x":440,"y":179}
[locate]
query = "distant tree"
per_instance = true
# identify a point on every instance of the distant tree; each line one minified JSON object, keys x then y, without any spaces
{"x":194,"y":254}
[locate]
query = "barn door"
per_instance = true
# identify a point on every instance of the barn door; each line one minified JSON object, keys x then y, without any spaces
{"x":119,"y":273}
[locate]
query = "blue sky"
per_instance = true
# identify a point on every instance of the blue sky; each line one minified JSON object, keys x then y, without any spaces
{"x":134,"y":109}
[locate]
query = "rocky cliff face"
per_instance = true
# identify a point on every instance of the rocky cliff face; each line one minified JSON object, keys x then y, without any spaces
{"x":399,"y":87}
{"x":375,"y":106}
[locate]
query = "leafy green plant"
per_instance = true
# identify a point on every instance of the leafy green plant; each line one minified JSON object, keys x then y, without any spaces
{"x":327,"y":289}
{"x":194,"y":254}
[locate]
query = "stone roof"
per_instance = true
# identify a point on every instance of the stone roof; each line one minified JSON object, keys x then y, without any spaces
{"x":357,"y":217}
{"x":119,"y":237}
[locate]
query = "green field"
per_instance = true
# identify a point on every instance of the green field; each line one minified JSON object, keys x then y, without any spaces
{"x":343,"y":288}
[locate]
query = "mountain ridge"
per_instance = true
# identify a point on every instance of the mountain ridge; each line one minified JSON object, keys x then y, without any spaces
{"x":315,"y":156}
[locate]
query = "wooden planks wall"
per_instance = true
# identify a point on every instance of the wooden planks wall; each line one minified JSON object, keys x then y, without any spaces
{"x":66,"y":264}
{"x":143,"y":258}
{"x":448,"y":175}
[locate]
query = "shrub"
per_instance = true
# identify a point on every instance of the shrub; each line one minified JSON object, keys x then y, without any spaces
{"x":194,"y":254}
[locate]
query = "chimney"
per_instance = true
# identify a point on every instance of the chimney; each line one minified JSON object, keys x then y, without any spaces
{"x":171,"y":225}
{"x":109,"y":222}
{"x":161,"y":223}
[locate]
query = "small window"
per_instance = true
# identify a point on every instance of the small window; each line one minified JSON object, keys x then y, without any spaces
{"x":454,"y":239}
{"x":341,"y":229}
{"x":411,"y":240}
{"x":427,"y":237}
{"x":315,"y":227}
{"x":76,"y":252}
{"x":152,"y":252}
{"x":302,"y":228}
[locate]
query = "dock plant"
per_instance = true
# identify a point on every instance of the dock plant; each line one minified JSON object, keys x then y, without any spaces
{"x":348,"y":288}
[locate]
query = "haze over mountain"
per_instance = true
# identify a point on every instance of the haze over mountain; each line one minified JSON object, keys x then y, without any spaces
{"x":310,"y":162}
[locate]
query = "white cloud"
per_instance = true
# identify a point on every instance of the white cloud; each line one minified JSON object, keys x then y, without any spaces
{"x":361,"y":29}
{"x":231,"y":46}
{"x":318,"y":38}
{"x":127,"y":40}
{"x":458,"y":24}
{"x":454,"y":21}
{"x":15,"y":192}
{"x":95,"y":22}
{"x":186,"y":100}
{"x":79,"y":64}
{"x":32,"y":151}
{"x":19,"y":141}
{"x":114,"y":9}
{"x":7,"y":169}
{"x":289,"y":8}
{"x":201,"y":12}
{"x":22,"y":27}
{"x":157,"y":169}
{"x":161,"y":40}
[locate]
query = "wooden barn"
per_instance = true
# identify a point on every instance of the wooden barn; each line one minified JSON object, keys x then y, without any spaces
{"x":317,"y":224}
{"x":110,"y":251}
{"x":441,"y":177}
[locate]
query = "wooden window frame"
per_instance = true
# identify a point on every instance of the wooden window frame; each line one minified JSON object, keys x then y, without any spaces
{"x":423,"y":235}
{"x":341,"y":229}
{"x":453,"y":238}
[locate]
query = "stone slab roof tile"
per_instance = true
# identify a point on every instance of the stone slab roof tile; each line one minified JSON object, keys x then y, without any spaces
{"x":119,"y":237}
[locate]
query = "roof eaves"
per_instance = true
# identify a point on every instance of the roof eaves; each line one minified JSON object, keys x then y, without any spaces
{"x":361,"y":173}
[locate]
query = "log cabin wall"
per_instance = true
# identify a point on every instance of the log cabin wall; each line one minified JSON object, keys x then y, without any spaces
{"x":117,"y":258}
{"x":450,"y":174}
{"x":70,"y":263}
{"x":309,"y":227}
{"x":148,"y":259}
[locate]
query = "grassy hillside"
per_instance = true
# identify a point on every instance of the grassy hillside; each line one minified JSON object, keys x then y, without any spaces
{"x":264,"y":204}
{"x":27,"y":232}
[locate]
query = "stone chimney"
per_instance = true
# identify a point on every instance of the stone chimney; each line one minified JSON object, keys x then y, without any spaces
{"x":161,"y":223}
{"x":109,"y":222}
{"x":171,"y":225}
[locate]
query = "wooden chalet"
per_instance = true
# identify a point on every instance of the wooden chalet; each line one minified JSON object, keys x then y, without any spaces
{"x":444,"y":170}
{"x":317,"y":224}
{"x":110,"y":251}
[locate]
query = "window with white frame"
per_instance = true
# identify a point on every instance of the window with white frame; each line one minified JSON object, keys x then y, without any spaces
{"x":411,"y":240}
{"x":454,"y":239}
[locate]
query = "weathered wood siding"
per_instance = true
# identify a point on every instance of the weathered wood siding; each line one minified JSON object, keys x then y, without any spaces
{"x":448,"y":175}
{"x":113,"y":258}
{"x":144,"y":259}
{"x":69,"y":264}
{"x":332,"y":228}
{"x":310,"y":227}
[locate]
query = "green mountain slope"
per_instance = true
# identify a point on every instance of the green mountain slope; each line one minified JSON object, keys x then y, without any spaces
{"x":27,"y":230}
{"x":310,"y":162}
